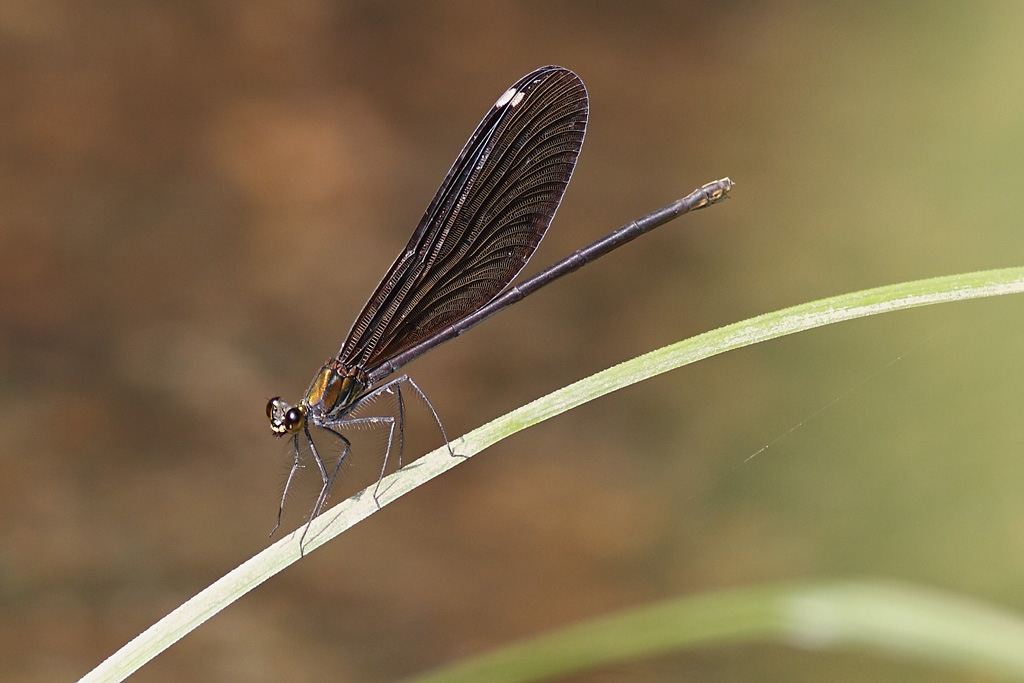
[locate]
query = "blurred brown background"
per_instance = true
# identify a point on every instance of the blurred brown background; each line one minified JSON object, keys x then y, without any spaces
{"x":196,"y":199}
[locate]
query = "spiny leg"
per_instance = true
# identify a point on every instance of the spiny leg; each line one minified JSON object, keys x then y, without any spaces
{"x":401,"y":430}
{"x":369,"y":422}
{"x":393,"y":386}
{"x":328,"y":481}
{"x":288,"y":483}
{"x":396,"y":384}
{"x":391,"y":440}
{"x":336,"y":424}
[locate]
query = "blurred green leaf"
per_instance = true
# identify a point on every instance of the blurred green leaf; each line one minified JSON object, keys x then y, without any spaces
{"x":898,"y":620}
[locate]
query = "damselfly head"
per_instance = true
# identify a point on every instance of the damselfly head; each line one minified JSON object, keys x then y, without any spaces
{"x":285,"y":418}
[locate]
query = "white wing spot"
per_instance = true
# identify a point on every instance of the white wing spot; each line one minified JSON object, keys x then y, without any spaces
{"x":517,"y":99}
{"x":506,"y":96}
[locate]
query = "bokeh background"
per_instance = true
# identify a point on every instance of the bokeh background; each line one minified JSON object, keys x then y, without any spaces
{"x":196,"y":198}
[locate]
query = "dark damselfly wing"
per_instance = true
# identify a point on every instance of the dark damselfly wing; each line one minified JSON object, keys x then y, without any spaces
{"x":485,"y":222}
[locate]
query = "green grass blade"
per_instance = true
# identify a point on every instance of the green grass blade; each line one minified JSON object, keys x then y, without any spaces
{"x":347,"y":513}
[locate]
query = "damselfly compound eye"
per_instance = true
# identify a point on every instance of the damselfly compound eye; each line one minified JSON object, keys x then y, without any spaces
{"x":272,"y":407}
{"x":293,"y":420}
